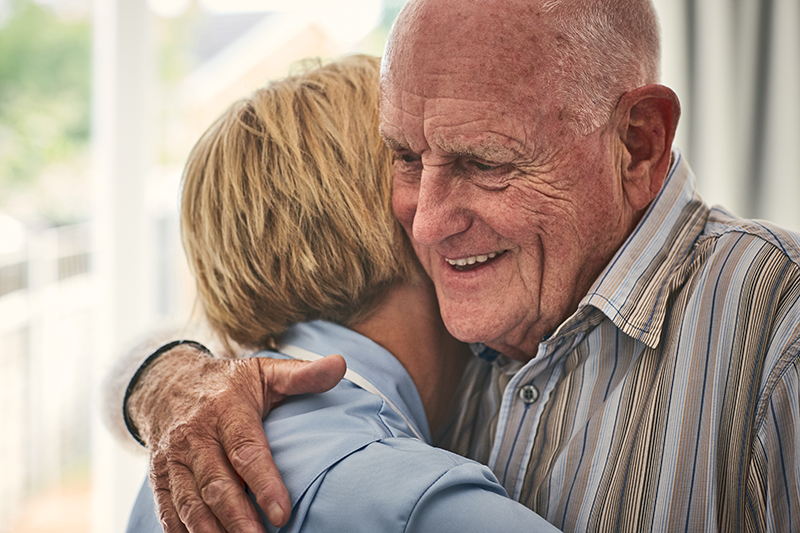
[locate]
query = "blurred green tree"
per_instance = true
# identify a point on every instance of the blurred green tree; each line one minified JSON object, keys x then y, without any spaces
{"x":45,"y":86}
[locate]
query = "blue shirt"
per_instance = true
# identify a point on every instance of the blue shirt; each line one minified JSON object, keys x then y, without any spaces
{"x":670,"y":400}
{"x":351,"y":462}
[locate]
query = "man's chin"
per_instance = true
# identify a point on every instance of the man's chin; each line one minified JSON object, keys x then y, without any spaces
{"x":470,"y":326}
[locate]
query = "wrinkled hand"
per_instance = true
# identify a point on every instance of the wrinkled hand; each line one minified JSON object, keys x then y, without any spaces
{"x":201,"y":418}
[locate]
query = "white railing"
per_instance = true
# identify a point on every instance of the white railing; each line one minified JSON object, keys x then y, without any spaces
{"x":46,"y":299}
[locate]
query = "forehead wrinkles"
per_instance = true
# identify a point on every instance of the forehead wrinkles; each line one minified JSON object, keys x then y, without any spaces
{"x":401,"y":118}
{"x":434,"y":105}
{"x":455,"y":127}
{"x":493,"y":130}
{"x":460,"y":113}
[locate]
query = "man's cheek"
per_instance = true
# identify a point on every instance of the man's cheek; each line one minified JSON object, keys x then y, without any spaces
{"x":404,"y":204}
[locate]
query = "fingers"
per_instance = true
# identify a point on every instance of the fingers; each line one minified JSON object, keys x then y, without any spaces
{"x":196,"y":489}
{"x":188,"y":503}
{"x":160,"y":484}
{"x":224,"y":495}
{"x":249,"y":454}
{"x":177,"y":499}
{"x":167,"y":513}
{"x":288,"y":378}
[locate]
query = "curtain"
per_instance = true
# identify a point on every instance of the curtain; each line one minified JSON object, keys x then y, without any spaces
{"x":735,"y":65}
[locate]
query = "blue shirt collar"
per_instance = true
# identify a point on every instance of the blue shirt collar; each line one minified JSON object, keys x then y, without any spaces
{"x":367,"y":358}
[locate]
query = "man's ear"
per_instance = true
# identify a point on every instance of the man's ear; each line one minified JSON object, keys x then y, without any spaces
{"x":646,"y":121}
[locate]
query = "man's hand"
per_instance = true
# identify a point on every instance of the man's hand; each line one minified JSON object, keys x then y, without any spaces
{"x":201,"y":418}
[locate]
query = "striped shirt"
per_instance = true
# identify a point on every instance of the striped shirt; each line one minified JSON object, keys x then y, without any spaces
{"x":670,"y":400}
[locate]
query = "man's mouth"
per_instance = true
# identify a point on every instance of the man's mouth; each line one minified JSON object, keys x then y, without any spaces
{"x":474,"y":261}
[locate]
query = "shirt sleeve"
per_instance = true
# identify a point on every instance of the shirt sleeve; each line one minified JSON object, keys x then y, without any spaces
{"x":773,"y":485}
{"x":468,"y":498}
{"x":401,"y":485}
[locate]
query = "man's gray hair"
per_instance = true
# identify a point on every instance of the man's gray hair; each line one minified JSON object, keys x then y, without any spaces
{"x":603,"y":48}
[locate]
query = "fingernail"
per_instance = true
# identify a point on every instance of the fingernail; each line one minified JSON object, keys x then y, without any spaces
{"x":275,"y":514}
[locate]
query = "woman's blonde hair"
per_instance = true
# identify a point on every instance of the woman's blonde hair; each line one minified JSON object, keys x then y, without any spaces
{"x":286,"y":207}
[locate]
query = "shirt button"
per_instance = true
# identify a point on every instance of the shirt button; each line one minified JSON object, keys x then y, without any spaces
{"x":528,"y":394}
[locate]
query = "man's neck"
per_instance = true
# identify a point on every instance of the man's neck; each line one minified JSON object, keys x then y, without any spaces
{"x":407,"y":324}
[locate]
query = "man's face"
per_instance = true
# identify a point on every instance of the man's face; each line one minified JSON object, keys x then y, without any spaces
{"x":511,"y":214}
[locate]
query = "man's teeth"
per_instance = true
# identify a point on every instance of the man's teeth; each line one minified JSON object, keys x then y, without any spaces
{"x":471,"y":260}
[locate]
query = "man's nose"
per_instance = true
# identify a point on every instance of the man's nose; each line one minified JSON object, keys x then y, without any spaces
{"x":441,"y":208}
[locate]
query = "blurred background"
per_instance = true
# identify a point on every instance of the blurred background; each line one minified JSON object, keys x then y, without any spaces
{"x":100,"y":103}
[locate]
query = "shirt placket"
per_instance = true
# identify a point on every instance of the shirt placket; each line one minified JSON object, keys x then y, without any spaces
{"x":524,"y":400}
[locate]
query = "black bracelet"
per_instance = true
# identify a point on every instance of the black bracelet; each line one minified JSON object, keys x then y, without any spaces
{"x":132,"y":429}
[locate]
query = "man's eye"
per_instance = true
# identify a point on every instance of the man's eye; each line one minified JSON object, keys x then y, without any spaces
{"x":408,"y":158}
{"x":407,"y":166}
{"x":483,"y":166}
{"x":488,"y":176}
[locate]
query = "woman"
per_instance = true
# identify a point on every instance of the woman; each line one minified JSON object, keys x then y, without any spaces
{"x":288,"y":230}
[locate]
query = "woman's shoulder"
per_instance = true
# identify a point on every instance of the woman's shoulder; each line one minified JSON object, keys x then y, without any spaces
{"x":403,"y":484}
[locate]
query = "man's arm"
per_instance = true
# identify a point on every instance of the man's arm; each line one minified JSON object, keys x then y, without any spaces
{"x":200,"y":417}
{"x":117,"y":379}
{"x":773,"y":482}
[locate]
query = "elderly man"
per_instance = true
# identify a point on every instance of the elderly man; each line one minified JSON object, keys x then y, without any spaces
{"x":649,"y":371}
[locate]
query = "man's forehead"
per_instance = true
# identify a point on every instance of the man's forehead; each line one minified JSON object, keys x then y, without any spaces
{"x":421,"y":81}
{"x":431,"y":93}
{"x":455,"y":91}
{"x":500,"y":24}
{"x":452,"y":37}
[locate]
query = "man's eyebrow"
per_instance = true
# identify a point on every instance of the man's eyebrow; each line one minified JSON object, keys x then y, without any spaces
{"x":486,"y":153}
{"x":488,"y":148}
{"x":393,"y":144}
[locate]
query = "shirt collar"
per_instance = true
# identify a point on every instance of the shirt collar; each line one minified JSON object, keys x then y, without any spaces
{"x":633,"y":289}
{"x":368,"y":359}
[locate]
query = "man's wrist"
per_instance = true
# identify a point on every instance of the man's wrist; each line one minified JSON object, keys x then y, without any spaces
{"x":137,"y":376}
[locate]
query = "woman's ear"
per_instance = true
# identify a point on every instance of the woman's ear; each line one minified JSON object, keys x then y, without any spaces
{"x":646,"y":121}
